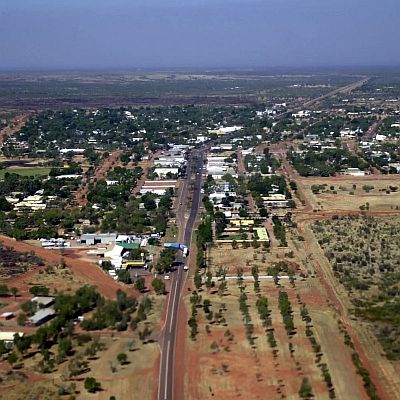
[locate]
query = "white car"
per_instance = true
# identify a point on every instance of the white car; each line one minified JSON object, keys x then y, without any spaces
{"x":185,"y":267}
{"x":166,"y":277}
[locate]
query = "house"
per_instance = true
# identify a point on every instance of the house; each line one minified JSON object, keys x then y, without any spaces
{"x":163,"y":172}
{"x":75,"y":151}
{"x":225,"y":130}
{"x":242,"y":222}
{"x":42,"y":316}
{"x":201,"y":139}
{"x":275,"y":200}
{"x":262,"y":234}
{"x":44,"y":301}
{"x":6,"y":316}
{"x":8,"y":337}
{"x":158,"y":187}
{"x":301,"y":114}
{"x":349,"y":133}
{"x":30,"y":204}
{"x":68,"y":176}
{"x":380,"y":138}
{"x":354,"y":172}
{"x":395,"y":166}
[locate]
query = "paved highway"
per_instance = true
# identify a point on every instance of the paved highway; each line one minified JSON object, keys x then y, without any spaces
{"x":166,"y":379}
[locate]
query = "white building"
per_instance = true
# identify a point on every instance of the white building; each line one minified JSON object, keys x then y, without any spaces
{"x":162,"y":172}
{"x":158,"y":187}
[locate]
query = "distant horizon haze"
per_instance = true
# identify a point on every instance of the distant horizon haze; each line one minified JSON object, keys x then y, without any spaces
{"x":45,"y":35}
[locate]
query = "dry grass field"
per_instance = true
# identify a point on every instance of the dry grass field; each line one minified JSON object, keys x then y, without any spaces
{"x":349,"y":193}
{"x":223,"y":256}
{"x":225,"y":361}
{"x":135,"y":378}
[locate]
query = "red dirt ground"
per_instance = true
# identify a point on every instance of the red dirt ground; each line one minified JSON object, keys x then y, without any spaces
{"x":88,"y":271}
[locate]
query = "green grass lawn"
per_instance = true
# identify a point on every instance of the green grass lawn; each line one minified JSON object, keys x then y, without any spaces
{"x":26,"y":171}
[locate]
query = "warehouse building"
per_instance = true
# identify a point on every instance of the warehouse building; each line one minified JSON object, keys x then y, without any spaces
{"x":91,"y":239}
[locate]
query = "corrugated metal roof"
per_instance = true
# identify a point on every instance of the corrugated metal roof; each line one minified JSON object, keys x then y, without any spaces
{"x":42,"y":314}
{"x":134,"y":245}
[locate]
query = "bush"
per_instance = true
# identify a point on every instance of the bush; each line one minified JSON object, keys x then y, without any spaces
{"x":91,"y":385}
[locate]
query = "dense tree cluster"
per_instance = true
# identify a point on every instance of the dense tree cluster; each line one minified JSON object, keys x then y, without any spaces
{"x":326,"y":163}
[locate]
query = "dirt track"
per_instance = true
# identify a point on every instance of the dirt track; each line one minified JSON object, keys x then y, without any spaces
{"x":18,"y":122}
{"x":100,"y":173}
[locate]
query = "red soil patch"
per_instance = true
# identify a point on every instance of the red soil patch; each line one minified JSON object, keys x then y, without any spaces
{"x":88,"y":271}
{"x":19,"y":121}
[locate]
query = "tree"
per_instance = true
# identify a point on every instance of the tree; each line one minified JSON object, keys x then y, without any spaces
{"x":305,"y":390}
{"x":30,"y":307}
{"x":5,"y":205}
{"x":167,"y":257}
{"x":14,"y":292}
{"x":197,"y":279}
{"x":91,"y":385}
{"x":21,"y":319}
{"x":3,"y":348}
{"x":124,"y":276}
{"x":234,"y":244}
{"x":64,"y":347}
{"x":22,"y":343}
{"x":4,"y":291}
{"x":39,"y":290}
{"x":140,"y":284}
{"x":122,"y":358}
{"x":12,"y":358}
{"x":158,"y":286}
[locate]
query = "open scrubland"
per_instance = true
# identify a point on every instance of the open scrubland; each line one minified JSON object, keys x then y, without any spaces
{"x":345,"y":193}
{"x":364,"y":255}
{"x":121,"y":362}
{"x":160,"y":87}
{"x":54,"y":362}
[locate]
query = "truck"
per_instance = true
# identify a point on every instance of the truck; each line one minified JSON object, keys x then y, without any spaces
{"x":178,"y":246}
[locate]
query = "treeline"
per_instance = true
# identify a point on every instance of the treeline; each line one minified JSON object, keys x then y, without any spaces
{"x":204,"y":235}
{"x":279,"y":231}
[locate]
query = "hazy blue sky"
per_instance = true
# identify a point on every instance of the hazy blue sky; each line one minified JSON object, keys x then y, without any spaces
{"x":48,"y":34}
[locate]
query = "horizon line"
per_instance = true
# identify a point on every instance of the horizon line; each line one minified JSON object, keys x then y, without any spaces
{"x":200,"y":68}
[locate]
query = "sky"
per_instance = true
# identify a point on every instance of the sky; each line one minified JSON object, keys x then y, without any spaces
{"x":124,"y":34}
